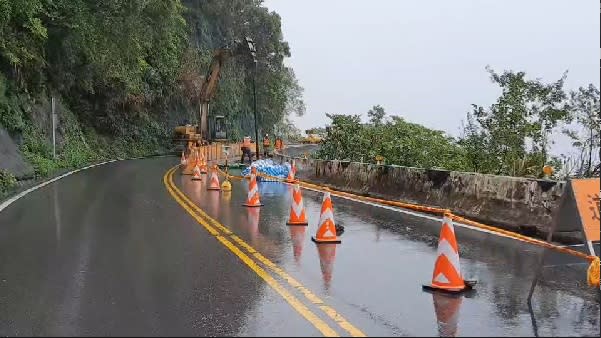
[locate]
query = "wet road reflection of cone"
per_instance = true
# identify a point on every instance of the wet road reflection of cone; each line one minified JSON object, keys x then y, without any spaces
{"x":297,"y":234}
{"x":298,"y":214}
{"x":214,"y":181}
{"x":253,"y":224}
{"x":446,"y":308}
{"x":447,"y":270}
{"x":253,"y":193}
{"x":215,"y":202}
{"x":327,"y":254}
{"x":326,"y":233}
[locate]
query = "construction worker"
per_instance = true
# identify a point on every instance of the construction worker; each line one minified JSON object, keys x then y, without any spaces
{"x":279,"y":144}
{"x":246,"y":149}
{"x":266,"y":145}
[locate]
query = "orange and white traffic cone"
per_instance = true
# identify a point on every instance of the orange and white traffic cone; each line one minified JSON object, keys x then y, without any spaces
{"x":446,"y":308}
{"x":203,"y":164}
{"x":290,"y":178}
{"x":298,"y":214}
{"x":447,"y":270}
{"x":196,"y":173}
{"x":183,"y":160}
{"x":253,"y":199}
{"x":326,"y":233}
{"x":191,"y":163}
{"x":214,"y":182}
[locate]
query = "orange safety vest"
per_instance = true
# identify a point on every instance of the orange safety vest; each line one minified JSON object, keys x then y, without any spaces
{"x":246,"y":143}
{"x":278,"y":144}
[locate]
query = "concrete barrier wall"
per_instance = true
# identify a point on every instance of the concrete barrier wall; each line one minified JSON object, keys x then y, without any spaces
{"x":508,"y":202}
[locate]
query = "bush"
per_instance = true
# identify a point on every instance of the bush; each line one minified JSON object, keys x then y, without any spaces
{"x":7,"y":181}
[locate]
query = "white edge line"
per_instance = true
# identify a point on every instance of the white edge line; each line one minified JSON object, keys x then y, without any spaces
{"x":417,"y":214}
{"x":13,"y":199}
{"x":399,"y":209}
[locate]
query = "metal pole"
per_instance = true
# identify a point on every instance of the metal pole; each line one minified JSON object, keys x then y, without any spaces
{"x":255,"y":104}
{"x":53,"y":129}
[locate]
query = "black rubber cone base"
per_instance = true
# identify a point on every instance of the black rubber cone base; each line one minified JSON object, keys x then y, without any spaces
{"x":253,"y":206}
{"x":325,"y":242}
{"x":469,"y":286}
{"x":300,"y":224}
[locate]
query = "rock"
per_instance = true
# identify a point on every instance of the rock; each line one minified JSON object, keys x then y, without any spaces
{"x":339,"y":229}
{"x":11,"y":159}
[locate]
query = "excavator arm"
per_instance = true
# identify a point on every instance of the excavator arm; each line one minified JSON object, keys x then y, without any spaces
{"x":209,"y":85}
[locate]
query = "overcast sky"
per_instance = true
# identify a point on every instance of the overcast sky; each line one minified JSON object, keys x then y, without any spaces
{"x":425,"y":60}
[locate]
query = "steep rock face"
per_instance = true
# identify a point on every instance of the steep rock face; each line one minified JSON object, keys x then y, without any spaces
{"x":10,"y":157}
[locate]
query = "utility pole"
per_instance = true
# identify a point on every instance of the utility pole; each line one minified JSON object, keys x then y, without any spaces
{"x":255,"y":110}
{"x":53,"y":128}
{"x":253,"y":52}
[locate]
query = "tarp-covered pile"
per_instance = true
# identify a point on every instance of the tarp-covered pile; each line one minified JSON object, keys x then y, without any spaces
{"x":268,"y":167}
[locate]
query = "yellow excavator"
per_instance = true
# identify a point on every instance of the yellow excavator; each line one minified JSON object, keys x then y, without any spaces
{"x":212,"y":129}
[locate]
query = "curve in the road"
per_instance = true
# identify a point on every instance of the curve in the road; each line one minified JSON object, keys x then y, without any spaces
{"x":15,"y":198}
{"x":203,"y":219}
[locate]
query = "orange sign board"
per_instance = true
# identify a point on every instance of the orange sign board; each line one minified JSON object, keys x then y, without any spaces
{"x":586,"y":193}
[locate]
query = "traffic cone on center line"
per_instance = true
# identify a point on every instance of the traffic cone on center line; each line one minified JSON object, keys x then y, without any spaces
{"x":326,"y":233}
{"x":298,"y":214}
{"x":183,"y":160}
{"x":447,"y":270}
{"x":253,"y":193}
{"x":196,"y":173}
{"x":191,"y":162}
{"x":214,"y":182}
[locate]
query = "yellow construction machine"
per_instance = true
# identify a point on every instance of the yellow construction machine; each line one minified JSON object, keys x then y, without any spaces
{"x":212,"y":128}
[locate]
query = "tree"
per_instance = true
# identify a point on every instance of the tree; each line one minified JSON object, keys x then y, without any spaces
{"x":586,"y":134}
{"x":398,"y":141}
{"x":526,"y":112}
{"x":376,"y":115}
{"x":475,"y":143}
{"x":547,"y":109}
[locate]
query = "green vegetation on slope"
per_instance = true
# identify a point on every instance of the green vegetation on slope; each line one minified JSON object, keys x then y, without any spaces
{"x":125,"y":72}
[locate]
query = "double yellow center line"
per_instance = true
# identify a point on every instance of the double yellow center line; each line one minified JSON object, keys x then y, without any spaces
{"x":226,"y":237}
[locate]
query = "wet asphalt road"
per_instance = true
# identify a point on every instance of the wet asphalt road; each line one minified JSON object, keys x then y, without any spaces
{"x":109,"y":252}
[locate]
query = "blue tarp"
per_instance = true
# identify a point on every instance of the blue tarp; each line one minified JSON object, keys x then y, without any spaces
{"x":268,"y":167}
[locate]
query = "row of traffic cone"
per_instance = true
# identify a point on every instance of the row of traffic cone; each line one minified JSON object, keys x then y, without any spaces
{"x":200,"y":167}
{"x":326,"y":232}
{"x":190,"y":163}
{"x":447,"y":270}
{"x":446,"y":276}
